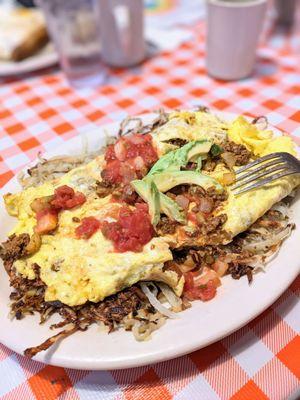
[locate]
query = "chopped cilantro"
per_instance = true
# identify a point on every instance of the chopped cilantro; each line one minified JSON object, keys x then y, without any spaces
{"x":216,"y":150}
{"x":203,"y":286}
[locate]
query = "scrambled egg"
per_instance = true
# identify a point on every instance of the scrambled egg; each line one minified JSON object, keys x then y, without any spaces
{"x":260,"y":143}
{"x":78,"y":270}
{"x":242,"y":211}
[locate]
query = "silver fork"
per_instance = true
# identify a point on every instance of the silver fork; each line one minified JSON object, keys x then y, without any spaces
{"x":264,"y":170}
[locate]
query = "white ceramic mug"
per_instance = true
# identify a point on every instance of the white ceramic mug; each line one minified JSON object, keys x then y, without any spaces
{"x":233,"y":29}
{"x":122,"y":32}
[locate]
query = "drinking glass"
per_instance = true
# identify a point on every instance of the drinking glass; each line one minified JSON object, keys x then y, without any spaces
{"x":74,"y":28}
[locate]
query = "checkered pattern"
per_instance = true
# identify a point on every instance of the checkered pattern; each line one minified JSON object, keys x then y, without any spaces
{"x":260,"y":361}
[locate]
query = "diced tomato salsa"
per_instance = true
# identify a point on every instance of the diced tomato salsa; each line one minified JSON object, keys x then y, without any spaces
{"x":129,"y":158}
{"x":66,"y":198}
{"x":192,"y":291}
{"x":191,"y":216}
{"x":131,"y":231}
{"x":87,"y":228}
{"x":47,"y":220}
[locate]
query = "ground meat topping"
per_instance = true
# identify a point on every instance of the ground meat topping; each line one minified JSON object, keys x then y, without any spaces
{"x":239,"y":150}
{"x":122,"y":193}
{"x":214,"y":223}
{"x":215,"y":195}
{"x":201,"y":213}
{"x":239,"y":270}
{"x":14,"y":247}
{"x":192,"y":232}
{"x":177,"y":142}
{"x":104,"y":188}
{"x":210,"y":194}
{"x":126,"y":194}
{"x":209,"y":165}
{"x":231,"y":153}
{"x":166,"y":226}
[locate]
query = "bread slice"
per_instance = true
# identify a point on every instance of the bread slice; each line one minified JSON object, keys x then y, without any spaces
{"x":22,"y":33}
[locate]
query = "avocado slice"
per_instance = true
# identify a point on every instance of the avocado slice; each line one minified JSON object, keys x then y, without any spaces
{"x":164,"y":203}
{"x":171,"y":209}
{"x":199,"y":163}
{"x":166,"y":173}
{"x":176,"y":159}
{"x":167,"y":180}
{"x":201,"y":148}
{"x":150,"y":194}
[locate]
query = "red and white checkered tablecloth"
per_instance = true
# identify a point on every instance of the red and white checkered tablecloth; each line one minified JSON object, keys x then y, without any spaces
{"x":38,"y":113}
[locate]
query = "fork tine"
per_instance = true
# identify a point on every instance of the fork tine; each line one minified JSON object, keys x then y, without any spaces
{"x":259,"y":168}
{"x":259,"y":161}
{"x":265,"y":181}
{"x":255,"y":176}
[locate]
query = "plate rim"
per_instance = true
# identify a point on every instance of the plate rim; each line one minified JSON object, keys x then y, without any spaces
{"x":44,"y":58}
{"x":146,"y":359}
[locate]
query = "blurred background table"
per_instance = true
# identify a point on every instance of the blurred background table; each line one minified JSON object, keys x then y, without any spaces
{"x":40,"y":111}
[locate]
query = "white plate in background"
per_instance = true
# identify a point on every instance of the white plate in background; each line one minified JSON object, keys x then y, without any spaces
{"x":44,"y":58}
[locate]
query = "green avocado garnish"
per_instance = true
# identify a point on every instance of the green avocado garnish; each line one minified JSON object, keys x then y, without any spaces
{"x":166,"y":173}
{"x":201,"y":148}
{"x":176,"y":159}
{"x":150,"y":194}
{"x":171,"y":209}
{"x":163,"y":204}
{"x":199,"y":164}
{"x":169,"y":179}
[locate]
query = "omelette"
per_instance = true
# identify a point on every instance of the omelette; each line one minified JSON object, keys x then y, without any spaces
{"x":153,"y":207}
{"x":84,"y":269}
{"x":241,"y":211}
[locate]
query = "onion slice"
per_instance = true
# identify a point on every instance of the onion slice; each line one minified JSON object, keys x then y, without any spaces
{"x":156,"y":303}
{"x":261,"y":122}
{"x":174,"y":300}
{"x":276,"y":239}
{"x":282,"y":208}
{"x":229,"y":158}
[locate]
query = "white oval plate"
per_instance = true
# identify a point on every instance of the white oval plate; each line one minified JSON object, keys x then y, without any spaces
{"x":236,"y":304}
{"x":46,"y":57}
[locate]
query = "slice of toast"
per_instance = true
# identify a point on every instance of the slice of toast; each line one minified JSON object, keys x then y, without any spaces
{"x":22,"y":33}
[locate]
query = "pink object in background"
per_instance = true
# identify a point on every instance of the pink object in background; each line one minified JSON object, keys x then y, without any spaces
{"x":233,"y":29}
